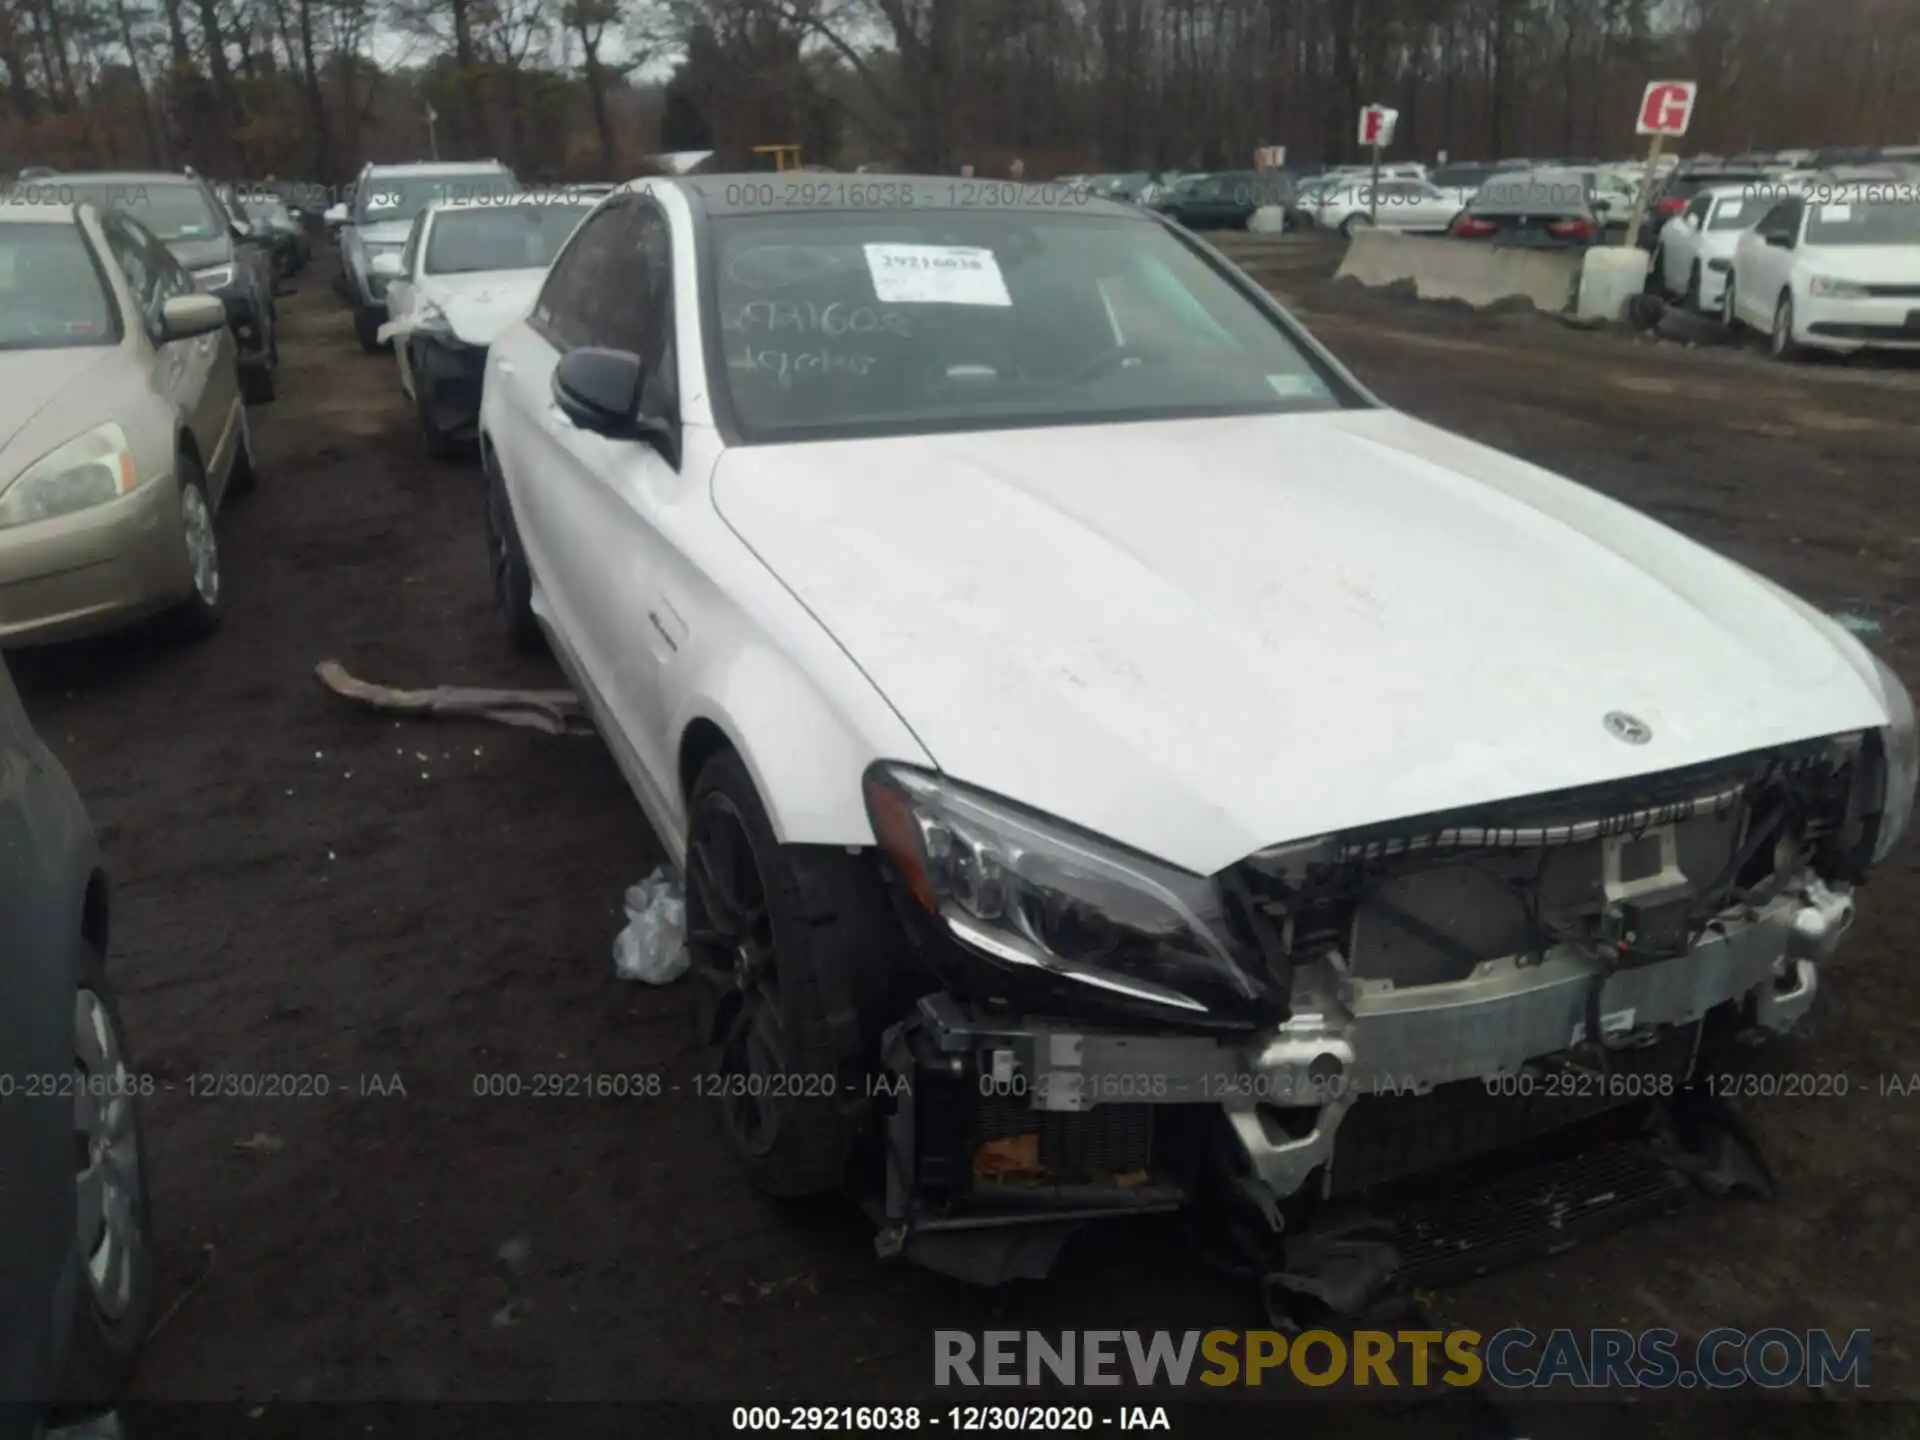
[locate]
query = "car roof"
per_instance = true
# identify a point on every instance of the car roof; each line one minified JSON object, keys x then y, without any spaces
{"x":130,"y":177}
{"x":440,"y":167}
{"x":756,"y":194}
{"x":29,"y":213}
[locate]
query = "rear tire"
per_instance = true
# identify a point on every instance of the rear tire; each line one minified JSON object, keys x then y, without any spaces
{"x":793,"y":952}
{"x":507,"y":559}
{"x":200,"y":614}
{"x":105,"y":1339}
{"x":245,"y":476}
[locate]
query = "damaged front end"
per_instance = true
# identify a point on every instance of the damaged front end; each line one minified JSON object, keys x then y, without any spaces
{"x":447,"y":373}
{"x":1299,"y":1045}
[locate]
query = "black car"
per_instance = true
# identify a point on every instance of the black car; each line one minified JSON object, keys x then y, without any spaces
{"x":260,"y":214}
{"x":76,"y":1279}
{"x":1224,"y":199}
{"x":1533,"y":209}
{"x":187,"y":217}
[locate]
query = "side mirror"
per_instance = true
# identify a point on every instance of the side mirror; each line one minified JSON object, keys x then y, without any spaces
{"x":601,"y":390}
{"x":185,"y":316}
{"x":386,"y":263}
{"x":336,"y":214}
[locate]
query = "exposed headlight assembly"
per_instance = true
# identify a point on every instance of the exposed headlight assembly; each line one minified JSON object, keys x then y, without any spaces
{"x":1036,"y":894}
{"x":1834,"y":289}
{"x":86,"y":471}
{"x":1899,"y":763}
{"x":215,"y":277}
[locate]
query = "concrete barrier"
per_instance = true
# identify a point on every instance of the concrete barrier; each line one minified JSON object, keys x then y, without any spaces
{"x":1610,"y":276}
{"x":1442,"y":269}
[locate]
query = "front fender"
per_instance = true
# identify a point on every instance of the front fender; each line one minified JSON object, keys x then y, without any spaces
{"x":806,"y":754}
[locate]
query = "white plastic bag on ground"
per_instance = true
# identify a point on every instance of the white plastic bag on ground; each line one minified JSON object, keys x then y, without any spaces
{"x":653,"y":947}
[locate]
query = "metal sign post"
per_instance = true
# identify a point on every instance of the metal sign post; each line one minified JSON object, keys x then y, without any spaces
{"x":1665,"y":109}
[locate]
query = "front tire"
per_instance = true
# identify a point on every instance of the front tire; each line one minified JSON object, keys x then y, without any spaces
{"x":435,"y":443}
{"x":1780,"y":341}
{"x":113,"y":1231}
{"x":792,"y":951}
{"x":1353,"y":223}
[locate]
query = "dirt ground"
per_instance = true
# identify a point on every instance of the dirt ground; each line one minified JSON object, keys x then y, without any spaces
{"x":306,"y":890}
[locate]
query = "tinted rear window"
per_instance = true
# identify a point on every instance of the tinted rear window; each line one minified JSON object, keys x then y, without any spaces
{"x":1539,"y":192}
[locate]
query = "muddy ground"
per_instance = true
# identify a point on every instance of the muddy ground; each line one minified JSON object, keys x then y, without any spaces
{"x":306,"y":890}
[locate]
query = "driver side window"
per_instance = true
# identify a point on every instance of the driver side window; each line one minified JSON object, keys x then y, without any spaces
{"x":136,"y":267}
{"x":582,"y":278}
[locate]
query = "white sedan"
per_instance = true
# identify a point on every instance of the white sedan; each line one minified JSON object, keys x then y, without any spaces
{"x":1069,"y":694}
{"x":468,"y":269}
{"x":1833,"y":269}
{"x":1404,"y":204}
{"x":1694,"y":254}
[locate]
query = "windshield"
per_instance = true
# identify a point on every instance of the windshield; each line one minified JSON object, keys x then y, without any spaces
{"x":51,"y":293}
{"x":1738,"y":213}
{"x":519,"y":237}
{"x":403,"y":197}
{"x":848,"y":324}
{"x":171,"y":211}
{"x":1864,"y":222}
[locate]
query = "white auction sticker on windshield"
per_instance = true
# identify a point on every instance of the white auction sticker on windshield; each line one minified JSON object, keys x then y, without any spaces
{"x":1835,"y":214}
{"x":936,"y":275}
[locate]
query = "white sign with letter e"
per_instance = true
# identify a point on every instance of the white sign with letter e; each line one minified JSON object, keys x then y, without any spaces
{"x":1376,"y":125}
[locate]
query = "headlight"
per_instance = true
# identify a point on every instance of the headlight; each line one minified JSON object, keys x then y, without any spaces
{"x":215,"y":277}
{"x":1899,"y":763}
{"x":1836,"y":289}
{"x":1035,"y":894}
{"x":87,"y":471}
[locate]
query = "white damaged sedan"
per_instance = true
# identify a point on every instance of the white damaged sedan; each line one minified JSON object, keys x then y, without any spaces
{"x":1117,"y":764}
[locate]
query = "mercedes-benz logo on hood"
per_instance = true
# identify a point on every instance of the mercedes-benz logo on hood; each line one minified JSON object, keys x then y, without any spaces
{"x":1630,"y":728}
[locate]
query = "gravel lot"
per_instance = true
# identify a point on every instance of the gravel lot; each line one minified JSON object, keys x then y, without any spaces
{"x":307,"y":890}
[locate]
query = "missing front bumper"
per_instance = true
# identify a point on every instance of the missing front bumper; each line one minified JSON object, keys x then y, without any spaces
{"x":997,"y":1120}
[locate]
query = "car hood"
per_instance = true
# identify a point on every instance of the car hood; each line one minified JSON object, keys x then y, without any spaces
{"x":201,"y":253}
{"x":480,"y":306}
{"x":1204,"y":637}
{"x":31,"y":379}
{"x":384,"y":232}
{"x":1868,"y":264}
